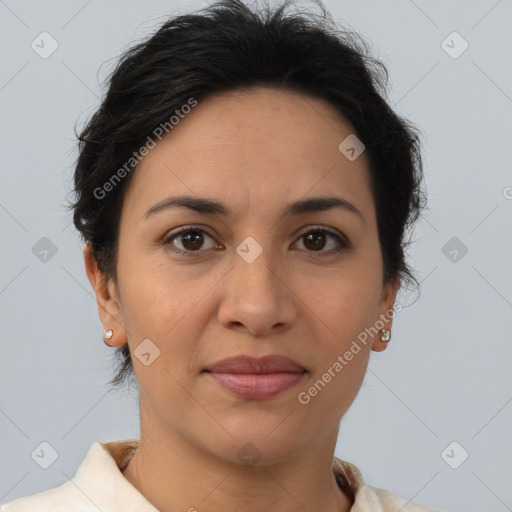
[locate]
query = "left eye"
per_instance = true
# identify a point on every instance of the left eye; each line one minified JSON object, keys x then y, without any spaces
{"x":314,"y":237}
{"x":193,"y":238}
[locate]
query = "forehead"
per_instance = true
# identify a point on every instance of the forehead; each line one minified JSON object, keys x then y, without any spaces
{"x":262,"y":146}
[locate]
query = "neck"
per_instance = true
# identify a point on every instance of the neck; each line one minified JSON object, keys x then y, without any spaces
{"x":175,"y":474}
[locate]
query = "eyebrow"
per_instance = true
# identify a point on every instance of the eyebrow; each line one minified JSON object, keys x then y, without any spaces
{"x":212,"y":207}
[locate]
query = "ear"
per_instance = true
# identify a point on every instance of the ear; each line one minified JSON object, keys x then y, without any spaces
{"x":386,"y":312}
{"x":107,"y":299}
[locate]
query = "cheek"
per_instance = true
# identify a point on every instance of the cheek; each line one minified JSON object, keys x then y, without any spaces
{"x":345,"y":303}
{"x":344,"y":310}
{"x":154,"y":297}
{"x":341,"y":356}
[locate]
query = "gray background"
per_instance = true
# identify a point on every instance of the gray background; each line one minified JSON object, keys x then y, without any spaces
{"x":444,"y":378}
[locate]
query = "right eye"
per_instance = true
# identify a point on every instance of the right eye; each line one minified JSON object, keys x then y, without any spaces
{"x":193,"y":238}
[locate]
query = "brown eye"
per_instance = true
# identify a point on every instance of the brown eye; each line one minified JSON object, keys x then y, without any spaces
{"x":315,"y":241}
{"x":192,"y":239}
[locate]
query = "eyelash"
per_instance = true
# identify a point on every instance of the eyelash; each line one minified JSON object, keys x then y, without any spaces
{"x":343,"y":243}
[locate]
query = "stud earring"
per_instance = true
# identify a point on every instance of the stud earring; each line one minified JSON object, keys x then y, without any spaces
{"x":385,"y":335}
{"x":108,"y":334}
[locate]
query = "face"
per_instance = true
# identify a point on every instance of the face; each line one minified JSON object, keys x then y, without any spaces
{"x":254,"y":281}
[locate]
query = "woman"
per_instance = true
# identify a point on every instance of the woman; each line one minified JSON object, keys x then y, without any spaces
{"x":244,"y":192}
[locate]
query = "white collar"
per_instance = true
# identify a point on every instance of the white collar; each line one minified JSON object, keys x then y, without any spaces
{"x":99,"y":484}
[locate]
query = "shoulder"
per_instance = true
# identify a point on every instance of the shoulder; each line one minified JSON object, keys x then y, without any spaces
{"x":375,"y":498}
{"x":58,"y":499}
{"x":368,"y":498}
{"x":97,"y":485}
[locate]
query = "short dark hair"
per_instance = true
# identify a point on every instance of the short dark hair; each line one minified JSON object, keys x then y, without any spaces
{"x":224,"y":47}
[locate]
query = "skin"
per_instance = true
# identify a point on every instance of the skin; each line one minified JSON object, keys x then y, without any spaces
{"x":255,"y":151}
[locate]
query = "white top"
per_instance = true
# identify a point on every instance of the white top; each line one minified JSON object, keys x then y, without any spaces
{"x":100,"y":485}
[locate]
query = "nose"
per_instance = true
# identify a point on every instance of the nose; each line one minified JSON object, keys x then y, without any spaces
{"x":258,"y":295}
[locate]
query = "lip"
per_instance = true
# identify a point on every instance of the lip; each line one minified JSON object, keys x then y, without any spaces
{"x":257,"y":386}
{"x":256,"y":378}
{"x":273,"y":363}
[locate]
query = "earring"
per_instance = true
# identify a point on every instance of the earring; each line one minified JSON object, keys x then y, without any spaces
{"x":108,"y":334}
{"x":385,"y":335}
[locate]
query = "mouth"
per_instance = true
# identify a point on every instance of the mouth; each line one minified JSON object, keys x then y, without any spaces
{"x":254,"y":378}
